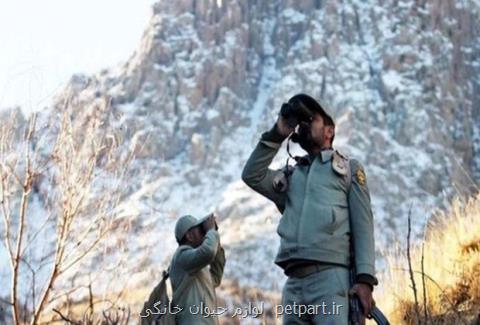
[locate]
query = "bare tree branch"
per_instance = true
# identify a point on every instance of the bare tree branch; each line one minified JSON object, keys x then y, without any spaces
{"x":26,"y":188}
{"x":412,"y":278}
{"x":68,"y":320}
{"x":73,"y":178}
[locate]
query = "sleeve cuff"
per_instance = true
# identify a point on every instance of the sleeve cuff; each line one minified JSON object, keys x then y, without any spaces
{"x":273,"y":135}
{"x":213,"y":233}
{"x":367,"y":279}
{"x":365,"y":268}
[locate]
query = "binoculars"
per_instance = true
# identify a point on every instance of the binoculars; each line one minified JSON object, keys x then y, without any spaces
{"x":204,"y":220}
{"x":295,"y":112}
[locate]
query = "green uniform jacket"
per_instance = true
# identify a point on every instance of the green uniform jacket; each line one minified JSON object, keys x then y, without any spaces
{"x":315,"y":209}
{"x":197,"y":272}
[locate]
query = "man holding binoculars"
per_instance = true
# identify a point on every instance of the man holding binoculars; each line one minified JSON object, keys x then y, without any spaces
{"x":197,"y":269}
{"x":325,"y":204}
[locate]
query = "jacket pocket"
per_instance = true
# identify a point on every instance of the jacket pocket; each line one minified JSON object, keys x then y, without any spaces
{"x":317,"y":225}
{"x":340,"y":216}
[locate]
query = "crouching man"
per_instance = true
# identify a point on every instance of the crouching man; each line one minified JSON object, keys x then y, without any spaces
{"x":197,"y":269}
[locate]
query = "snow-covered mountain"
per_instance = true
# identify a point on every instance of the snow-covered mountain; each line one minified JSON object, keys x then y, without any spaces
{"x":401,"y":78}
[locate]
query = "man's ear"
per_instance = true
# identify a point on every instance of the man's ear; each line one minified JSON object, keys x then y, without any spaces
{"x":189,"y":236}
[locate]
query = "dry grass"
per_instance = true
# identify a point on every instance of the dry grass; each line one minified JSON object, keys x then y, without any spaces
{"x":451,"y":271}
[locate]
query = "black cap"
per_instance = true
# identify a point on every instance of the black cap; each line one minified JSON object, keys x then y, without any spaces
{"x":313,"y":105}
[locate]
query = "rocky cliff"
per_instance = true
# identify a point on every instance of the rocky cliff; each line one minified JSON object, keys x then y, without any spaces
{"x":401,"y":78}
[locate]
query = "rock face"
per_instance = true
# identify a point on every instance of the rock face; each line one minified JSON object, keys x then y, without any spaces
{"x":399,"y":76}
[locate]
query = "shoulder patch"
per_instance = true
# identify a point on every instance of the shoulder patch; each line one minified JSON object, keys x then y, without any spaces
{"x":360,"y":176}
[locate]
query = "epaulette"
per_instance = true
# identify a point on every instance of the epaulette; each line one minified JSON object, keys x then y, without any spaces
{"x":340,"y":163}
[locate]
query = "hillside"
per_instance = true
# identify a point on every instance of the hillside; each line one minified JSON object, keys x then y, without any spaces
{"x":400,"y":78}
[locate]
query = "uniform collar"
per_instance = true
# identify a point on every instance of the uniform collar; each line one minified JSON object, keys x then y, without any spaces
{"x":326,"y":155}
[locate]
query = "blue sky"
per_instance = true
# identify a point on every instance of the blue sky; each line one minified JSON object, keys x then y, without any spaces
{"x":42,"y":43}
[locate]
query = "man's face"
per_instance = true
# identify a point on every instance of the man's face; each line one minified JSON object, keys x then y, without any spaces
{"x":320,"y":135}
{"x":195,"y":236}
